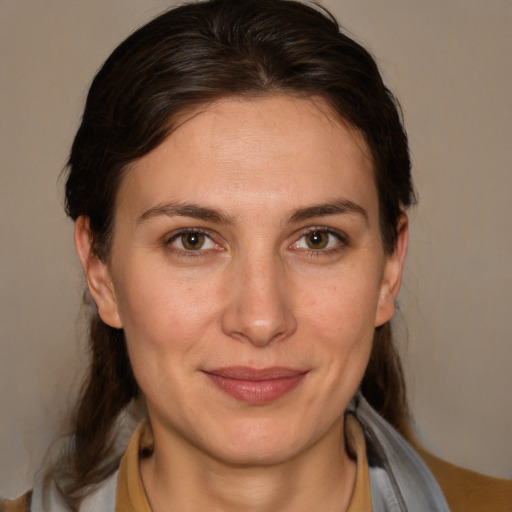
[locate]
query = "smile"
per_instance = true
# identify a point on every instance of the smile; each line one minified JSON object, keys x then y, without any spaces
{"x":256,"y":386}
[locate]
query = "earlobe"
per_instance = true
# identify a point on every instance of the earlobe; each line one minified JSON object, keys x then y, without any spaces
{"x":392,"y":275}
{"x":97,"y":274}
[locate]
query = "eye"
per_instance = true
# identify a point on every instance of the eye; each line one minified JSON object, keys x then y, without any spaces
{"x":318,"y":240}
{"x":192,"y":241}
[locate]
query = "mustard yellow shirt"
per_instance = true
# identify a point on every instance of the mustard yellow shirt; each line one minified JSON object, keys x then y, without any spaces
{"x":131,"y":496}
{"x":465,"y":491}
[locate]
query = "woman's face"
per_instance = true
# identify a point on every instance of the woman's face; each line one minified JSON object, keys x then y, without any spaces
{"x":248,"y":274}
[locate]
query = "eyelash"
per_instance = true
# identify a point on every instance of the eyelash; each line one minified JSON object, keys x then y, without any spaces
{"x":189,"y":253}
{"x":343,"y":241}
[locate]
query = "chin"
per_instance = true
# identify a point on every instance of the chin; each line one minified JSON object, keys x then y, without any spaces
{"x":256,"y":444}
{"x":264,"y":453}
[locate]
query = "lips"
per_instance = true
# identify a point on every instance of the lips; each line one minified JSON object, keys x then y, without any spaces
{"x":256,"y":386}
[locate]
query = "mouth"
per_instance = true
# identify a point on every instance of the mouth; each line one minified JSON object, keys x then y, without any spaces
{"x":256,"y":386}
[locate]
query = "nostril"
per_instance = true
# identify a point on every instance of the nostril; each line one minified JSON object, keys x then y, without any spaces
{"x":259,"y":321}
{"x":258,"y":308}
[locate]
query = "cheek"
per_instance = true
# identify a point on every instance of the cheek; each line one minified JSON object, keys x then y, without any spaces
{"x":163,"y":308}
{"x":343,"y":302}
{"x":167,"y":323}
{"x":341,"y":317}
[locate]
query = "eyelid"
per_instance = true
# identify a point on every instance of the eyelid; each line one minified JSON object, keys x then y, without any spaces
{"x":341,"y":236}
{"x":174,"y":235}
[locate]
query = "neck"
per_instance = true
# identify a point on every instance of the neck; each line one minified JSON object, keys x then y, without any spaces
{"x":322,"y":477}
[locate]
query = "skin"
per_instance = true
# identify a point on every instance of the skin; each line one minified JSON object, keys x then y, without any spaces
{"x":254,"y":294}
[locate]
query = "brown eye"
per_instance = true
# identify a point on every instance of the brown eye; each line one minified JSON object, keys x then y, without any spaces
{"x":320,"y":241}
{"x":317,"y":239}
{"x":192,"y":241}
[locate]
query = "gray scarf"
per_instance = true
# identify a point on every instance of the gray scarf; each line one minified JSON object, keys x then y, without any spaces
{"x":399,"y":479}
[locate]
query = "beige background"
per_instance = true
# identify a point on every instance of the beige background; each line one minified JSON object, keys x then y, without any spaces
{"x":449,"y":61}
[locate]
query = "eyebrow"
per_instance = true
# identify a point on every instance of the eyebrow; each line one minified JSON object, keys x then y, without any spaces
{"x":185,"y":210}
{"x":171,"y":209}
{"x":336,"y":207}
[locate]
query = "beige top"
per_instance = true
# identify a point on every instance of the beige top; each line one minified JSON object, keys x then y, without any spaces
{"x":131,"y":496}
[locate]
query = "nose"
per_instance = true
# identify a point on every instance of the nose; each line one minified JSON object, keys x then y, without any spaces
{"x":259,"y":309}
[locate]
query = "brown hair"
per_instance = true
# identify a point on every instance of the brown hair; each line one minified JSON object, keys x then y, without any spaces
{"x":188,"y":56}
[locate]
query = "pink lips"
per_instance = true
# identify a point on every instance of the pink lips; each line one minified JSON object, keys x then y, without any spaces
{"x":256,"y":386}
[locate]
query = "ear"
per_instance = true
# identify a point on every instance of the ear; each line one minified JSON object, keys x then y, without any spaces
{"x":97,"y":274}
{"x":392,"y":275}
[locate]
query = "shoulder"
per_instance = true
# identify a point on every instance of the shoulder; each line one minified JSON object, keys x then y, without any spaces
{"x":21,"y":504}
{"x":102,"y":498}
{"x":465,"y":490}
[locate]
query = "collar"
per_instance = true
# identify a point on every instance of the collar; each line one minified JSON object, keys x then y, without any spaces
{"x":131,"y":497}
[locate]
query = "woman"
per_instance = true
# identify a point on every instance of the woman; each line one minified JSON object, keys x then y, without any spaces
{"x":239,"y":185}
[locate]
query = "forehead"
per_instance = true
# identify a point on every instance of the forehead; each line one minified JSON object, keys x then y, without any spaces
{"x":285,"y":118}
{"x":280,"y":149}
